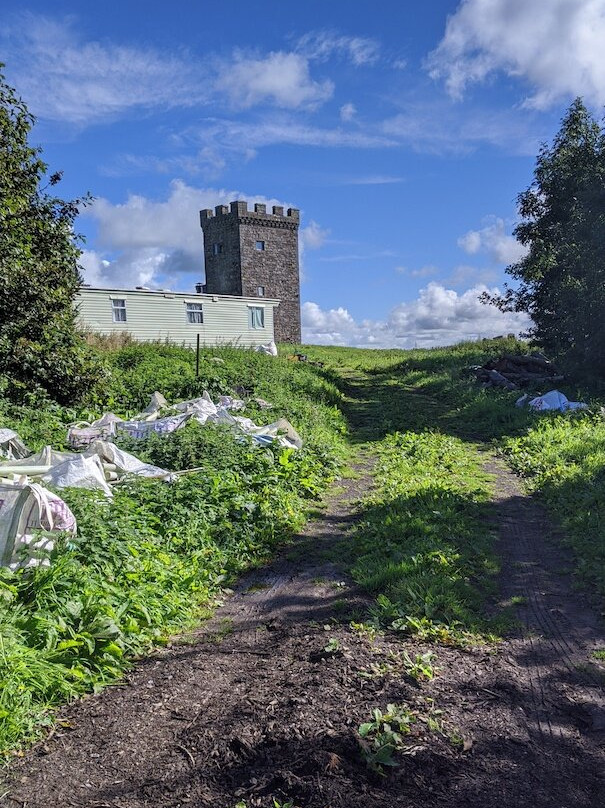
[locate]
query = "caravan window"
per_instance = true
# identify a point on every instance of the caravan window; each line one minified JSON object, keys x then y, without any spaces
{"x":257,"y":316}
{"x":195,"y":313}
{"x":118,"y":310}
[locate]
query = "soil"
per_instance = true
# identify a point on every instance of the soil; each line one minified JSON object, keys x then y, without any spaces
{"x":263,"y":703}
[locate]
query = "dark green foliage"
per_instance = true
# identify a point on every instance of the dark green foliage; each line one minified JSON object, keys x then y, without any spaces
{"x":40,"y":349}
{"x":561,"y":281}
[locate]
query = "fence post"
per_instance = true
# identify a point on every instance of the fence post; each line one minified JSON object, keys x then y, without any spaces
{"x":197,"y":357}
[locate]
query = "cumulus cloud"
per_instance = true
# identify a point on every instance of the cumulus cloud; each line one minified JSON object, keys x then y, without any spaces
{"x":439,"y":316}
{"x":322,"y":45}
{"x":556,"y":46}
{"x":281,"y":78}
{"x":348,"y":112}
{"x":501,"y":247}
{"x":145,"y":242}
{"x":64,"y":78}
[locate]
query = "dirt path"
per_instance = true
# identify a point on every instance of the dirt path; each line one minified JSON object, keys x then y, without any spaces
{"x":264,"y":702}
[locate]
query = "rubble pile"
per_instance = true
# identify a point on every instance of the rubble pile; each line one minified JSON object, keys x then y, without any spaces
{"x":513,"y":372}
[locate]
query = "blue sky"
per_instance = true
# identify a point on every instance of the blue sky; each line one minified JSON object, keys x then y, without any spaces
{"x":403,"y":132}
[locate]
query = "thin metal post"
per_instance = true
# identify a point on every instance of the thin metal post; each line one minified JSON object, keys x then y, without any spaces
{"x":197,"y":356}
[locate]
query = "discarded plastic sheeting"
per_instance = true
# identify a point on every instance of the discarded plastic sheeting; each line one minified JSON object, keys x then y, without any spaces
{"x":11,"y":445}
{"x":201,"y":409}
{"x":142,"y":429}
{"x":270,"y":348}
{"x":30,"y":518}
{"x":45,"y":457}
{"x":555,"y":401}
{"x":124,"y":462}
{"x":79,"y":472}
{"x":81,"y":434}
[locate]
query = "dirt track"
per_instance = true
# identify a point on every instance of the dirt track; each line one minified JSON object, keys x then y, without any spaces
{"x":254,"y":708}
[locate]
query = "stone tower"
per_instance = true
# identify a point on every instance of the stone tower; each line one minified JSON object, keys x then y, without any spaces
{"x":255,"y":254}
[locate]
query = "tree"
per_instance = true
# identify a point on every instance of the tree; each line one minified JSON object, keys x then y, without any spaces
{"x":40,"y":347}
{"x":561,"y":280}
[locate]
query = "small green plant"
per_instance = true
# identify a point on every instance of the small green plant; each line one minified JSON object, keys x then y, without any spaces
{"x":332,"y":646}
{"x":420,"y":667}
{"x":598,"y":654}
{"x":383,"y":736}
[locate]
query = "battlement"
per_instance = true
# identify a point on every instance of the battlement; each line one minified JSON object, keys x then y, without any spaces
{"x":239,"y":209}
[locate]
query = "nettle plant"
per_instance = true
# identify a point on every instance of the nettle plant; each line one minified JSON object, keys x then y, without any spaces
{"x":383,"y":736}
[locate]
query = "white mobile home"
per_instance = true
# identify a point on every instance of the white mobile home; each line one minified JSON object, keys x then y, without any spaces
{"x":178,"y":317}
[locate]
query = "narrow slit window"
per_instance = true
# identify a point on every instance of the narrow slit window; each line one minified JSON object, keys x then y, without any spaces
{"x":217,"y":249}
{"x":260,"y":245}
{"x":260,"y":291}
{"x":118,"y":310}
{"x":195,"y":313}
{"x":257,"y":317}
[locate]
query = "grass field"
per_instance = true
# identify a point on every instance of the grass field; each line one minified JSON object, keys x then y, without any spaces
{"x":150,"y":562}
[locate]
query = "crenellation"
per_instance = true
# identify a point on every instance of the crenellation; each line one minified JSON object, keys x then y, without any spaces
{"x":278,"y":210}
{"x":239,"y":208}
{"x":221,"y":210}
{"x":260,"y":208}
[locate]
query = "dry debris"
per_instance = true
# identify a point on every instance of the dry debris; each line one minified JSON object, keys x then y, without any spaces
{"x":514,"y":372}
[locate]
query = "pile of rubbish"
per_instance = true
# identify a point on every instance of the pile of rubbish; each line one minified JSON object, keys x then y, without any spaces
{"x":514,"y":372}
{"x":31,"y":515}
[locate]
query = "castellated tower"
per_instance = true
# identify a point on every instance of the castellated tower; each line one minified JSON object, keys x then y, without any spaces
{"x":255,"y":254}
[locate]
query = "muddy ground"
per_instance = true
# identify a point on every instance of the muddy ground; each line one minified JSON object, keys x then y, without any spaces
{"x":263,"y":703}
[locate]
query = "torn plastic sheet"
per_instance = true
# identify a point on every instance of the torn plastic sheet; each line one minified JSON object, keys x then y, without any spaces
{"x":270,"y":348}
{"x":81,"y":434}
{"x":30,"y":519}
{"x":79,"y":472}
{"x":201,"y":409}
{"x":555,"y":401}
{"x":11,"y":445}
{"x":123,"y":462}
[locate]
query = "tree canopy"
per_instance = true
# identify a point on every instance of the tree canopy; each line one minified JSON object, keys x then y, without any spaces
{"x":40,"y":347}
{"x":561,"y":280}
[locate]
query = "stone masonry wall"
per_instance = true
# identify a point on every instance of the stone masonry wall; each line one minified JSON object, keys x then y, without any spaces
{"x":242,"y":269}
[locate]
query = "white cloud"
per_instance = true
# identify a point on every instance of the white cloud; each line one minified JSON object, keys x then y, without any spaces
{"x":143,"y":242}
{"x":348,"y":112}
{"x":279,"y":129}
{"x":554,"y":45}
{"x":492,"y":239}
{"x":280,"y":78}
{"x":438,"y":127}
{"x":421,"y":272}
{"x":322,"y":45}
{"x":64,"y":78}
{"x":439,"y":316}
{"x":313,"y":236}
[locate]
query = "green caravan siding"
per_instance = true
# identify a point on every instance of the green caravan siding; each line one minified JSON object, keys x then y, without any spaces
{"x":162,"y":316}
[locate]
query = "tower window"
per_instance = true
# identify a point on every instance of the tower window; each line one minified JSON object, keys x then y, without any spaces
{"x":217,"y":249}
{"x":256,"y":316}
{"x":260,"y":291}
{"x":118,"y":311}
{"x":260,"y":245}
{"x":195,"y":313}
